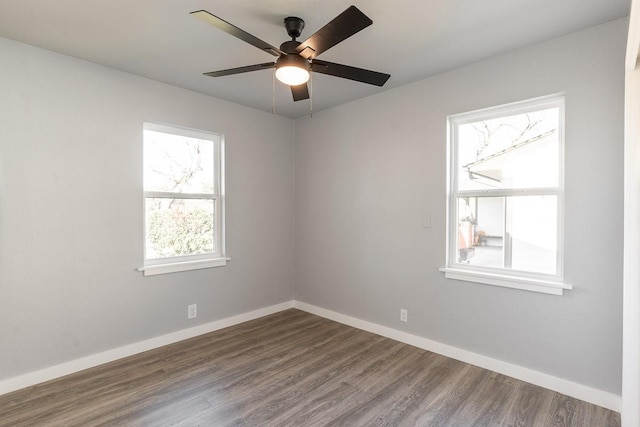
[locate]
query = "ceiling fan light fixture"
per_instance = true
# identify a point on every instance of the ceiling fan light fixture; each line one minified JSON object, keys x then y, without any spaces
{"x":292,"y":70}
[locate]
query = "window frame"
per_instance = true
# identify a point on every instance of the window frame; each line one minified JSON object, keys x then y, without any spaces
{"x":506,"y":277}
{"x":154,"y":266}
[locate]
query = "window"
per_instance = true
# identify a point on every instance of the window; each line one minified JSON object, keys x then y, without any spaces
{"x":183,"y":199}
{"x":506,"y":195}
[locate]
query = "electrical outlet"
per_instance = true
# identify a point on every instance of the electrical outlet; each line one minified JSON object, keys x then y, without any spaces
{"x":404,"y":313}
{"x":192,"y":311}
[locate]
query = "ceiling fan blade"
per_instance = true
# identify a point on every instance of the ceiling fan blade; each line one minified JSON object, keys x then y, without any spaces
{"x":239,"y":70}
{"x":300,"y":92}
{"x":348,"y":72}
{"x":228,"y":28}
{"x":340,"y":28}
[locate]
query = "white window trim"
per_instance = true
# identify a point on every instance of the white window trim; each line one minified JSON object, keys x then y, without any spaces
{"x":174,"y":267}
{"x":154,"y":267}
{"x":507,"y":281}
{"x":544,"y":283}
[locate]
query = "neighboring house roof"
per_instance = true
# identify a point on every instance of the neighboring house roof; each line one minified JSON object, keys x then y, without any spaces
{"x":491,"y":167}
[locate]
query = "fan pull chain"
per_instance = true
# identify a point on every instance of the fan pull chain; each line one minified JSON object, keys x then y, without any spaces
{"x":311,"y":95}
{"x":273,"y":94}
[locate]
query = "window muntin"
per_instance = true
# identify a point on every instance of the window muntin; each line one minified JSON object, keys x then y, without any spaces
{"x":506,"y":189}
{"x":182,"y":195}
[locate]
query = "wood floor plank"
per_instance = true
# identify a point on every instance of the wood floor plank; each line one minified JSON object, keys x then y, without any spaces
{"x":525,"y":407}
{"x":488,"y":404}
{"x":293,"y":369}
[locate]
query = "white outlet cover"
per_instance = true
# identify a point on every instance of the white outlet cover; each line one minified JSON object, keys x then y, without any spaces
{"x":192,"y":311}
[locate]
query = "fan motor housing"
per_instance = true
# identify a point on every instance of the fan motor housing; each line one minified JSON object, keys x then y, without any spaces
{"x":289,"y":47}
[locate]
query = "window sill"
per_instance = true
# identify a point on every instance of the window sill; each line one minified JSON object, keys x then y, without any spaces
{"x":174,"y":267}
{"x":515,"y":282}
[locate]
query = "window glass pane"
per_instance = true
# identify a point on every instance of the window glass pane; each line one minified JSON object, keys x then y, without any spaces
{"x":177,"y":164}
{"x":517,"y":151}
{"x":518,"y":233}
{"x":481,"y":231}
{"x":534,"y":236}
{"x":179,"y":227}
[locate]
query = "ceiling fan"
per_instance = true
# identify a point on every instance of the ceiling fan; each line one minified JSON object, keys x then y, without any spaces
{"x":296,"y":60}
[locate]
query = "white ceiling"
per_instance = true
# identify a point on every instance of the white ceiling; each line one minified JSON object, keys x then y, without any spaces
{"x":409,"y":39}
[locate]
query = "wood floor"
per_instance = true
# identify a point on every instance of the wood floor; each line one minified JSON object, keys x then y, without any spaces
{"x":293,"y":369}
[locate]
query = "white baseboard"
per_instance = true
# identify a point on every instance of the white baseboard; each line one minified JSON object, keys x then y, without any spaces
{"x":578,"y":391}
{"x":569,"y":388}
{"x":76,"y":365}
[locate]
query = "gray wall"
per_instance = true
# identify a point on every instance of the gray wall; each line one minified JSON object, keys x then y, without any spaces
{"x":71,"y":210}
{"x":631,"y":349}
{"x":367,"y":172}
